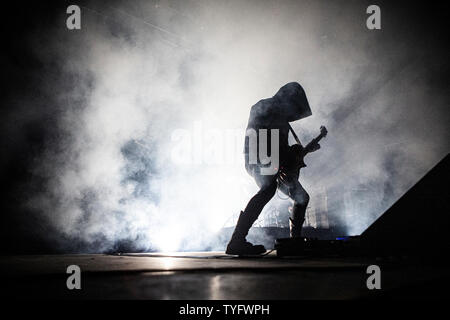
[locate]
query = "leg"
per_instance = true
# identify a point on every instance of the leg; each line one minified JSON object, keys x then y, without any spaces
{"x":301,"y":199}
{"x":254,"y":208}
{"x":238,"y":244}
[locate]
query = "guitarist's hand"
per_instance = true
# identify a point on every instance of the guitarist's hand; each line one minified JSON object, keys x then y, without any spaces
{"x":314,"y":147}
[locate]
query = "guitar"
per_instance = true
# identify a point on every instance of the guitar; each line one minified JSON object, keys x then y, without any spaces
{"x":290,"y":169}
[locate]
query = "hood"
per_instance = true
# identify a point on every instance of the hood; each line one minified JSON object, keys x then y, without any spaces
{"x":292,"y":101}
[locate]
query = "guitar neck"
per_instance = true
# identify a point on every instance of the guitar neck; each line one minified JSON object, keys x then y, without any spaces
{"x":313,"y":142}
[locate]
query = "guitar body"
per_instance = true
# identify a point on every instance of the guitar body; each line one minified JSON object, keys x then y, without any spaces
{"x":296,"y":156}
{"x":294,"y":162}
{"x":290,"y":169}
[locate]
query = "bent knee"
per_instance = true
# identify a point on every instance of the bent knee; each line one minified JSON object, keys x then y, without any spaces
{"x":268,"y":190}
{"x":302,"y":199}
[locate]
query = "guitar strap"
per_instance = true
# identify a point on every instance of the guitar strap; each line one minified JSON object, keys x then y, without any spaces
{"x":294,"y":135}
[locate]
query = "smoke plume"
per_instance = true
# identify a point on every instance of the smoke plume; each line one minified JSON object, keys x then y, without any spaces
{"x":151,"y":100}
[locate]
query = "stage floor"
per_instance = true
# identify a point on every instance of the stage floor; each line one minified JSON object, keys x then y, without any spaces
{"x":213,"y":275}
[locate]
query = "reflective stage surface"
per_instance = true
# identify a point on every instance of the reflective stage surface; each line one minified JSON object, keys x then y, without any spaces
{"x":213,"y":275}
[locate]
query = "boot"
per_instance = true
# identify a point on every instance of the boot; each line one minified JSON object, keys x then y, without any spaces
{"x":238,"y":245}
{"x":297,"y":220}
{"x":295,"y":227}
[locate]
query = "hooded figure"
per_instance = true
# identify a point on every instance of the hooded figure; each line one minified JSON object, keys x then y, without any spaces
{"x":288,"y":104}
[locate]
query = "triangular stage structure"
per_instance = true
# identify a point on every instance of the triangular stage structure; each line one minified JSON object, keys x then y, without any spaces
{"x":418,"y":223}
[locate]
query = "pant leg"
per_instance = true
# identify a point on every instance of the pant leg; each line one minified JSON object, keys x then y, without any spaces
{"x":298,"y":194}
{"x":261,"y":198}
{"x":268,"y":187}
